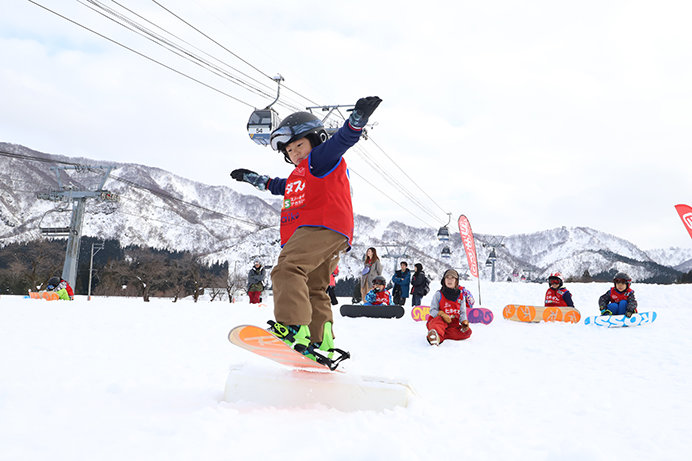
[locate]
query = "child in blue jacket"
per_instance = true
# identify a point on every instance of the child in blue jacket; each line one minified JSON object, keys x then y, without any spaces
{"x":620,"y":299}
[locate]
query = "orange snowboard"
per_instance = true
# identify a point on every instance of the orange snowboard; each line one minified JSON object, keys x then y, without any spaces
{"x":47,"y":295}
{"x":261,"y":342}
{"x":537,"y":314}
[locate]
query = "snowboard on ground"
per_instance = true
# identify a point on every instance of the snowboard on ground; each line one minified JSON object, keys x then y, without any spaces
{"x":47,"y":295}
{"x":304,"y":381}
{"x":535,"y":314}
{"x":616,"y":321}
{"x":379,"y":312}
{"x":474,"y":314}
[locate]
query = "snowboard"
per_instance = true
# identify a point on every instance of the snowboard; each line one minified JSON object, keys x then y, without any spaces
{"x":379,"y":312}
{"x":535,"y":314}
{"x":474,"y":314}
{"x":47,"y":295}
{"x":261,"y":342}
{"x":616,"y":321}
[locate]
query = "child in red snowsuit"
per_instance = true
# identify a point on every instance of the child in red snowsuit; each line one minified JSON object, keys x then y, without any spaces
{"x":448,"y":311}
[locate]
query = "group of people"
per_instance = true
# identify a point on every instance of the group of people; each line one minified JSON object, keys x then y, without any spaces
{"x":619,"y":300}
{"x":373,"y":286}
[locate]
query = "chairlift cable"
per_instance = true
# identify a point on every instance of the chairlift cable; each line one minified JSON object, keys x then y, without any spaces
{"x":142,"y":54}
{"x":200,"y":50}
{"x":386,"y":195}
{"x":229,"y":51}
{"x":399,"y":187}
{"x":406,"y":174}
{"x":157,"y":39}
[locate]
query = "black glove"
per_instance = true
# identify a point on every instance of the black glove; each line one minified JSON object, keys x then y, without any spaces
{"x":628,"y":313}
{"x":243,"y":175}
{"x":363,"y":110}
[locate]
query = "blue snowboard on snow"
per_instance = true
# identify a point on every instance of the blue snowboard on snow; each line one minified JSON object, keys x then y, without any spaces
{"x":616,"y":321}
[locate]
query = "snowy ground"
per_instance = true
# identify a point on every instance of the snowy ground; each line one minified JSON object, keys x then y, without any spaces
{"x":120,"y":379}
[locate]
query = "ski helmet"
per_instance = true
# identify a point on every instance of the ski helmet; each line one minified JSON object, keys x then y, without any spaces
{"x":379,"y":280}
{"x":296,"y":126}
{"x":555,"y":276}
{"x":451,"y":272}
{"x":622,"y":277}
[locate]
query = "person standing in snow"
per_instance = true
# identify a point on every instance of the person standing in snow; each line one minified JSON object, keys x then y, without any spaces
{"x":61,"y":287}
{"x":331,"y":288}
{"x":316,"y":223}
{"x":448,"y":311}
{"x":402,"y":284}
{"x":557,"y":294}
{"x":255,"y":282}
{"x":620,"y":299}
{"x":419,"y":285}
{"x":372,"y":267}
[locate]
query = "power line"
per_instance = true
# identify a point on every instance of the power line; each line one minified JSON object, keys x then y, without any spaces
{"x":231,"y":52}
{"x":142,"y":54}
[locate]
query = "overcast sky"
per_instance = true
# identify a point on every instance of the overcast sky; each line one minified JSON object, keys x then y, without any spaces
{"x":524,"y":116}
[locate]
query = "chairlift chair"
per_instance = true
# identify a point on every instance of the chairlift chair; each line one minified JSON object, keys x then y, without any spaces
{"x":443,"y":234}
{"x":261,"y":124}
{"x":53,"y":231}
{"x":263,"y":121}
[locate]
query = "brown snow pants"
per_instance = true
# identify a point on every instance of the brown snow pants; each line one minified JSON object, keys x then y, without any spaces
{"x":301,"y":277}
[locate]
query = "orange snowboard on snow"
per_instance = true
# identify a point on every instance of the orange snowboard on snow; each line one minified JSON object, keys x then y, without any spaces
{"x":47,"y":295}
{"x":535,"y":314}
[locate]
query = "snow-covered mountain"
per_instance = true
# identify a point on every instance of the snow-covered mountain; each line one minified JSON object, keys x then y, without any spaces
{"x":162,"y":210}
{"x":678,"y":258}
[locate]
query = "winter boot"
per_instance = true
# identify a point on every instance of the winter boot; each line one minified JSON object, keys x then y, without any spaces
{"x":606,"y":311}
{"x":327,"y":343}
{"x":433,"y":338}
{"x":296,"y":336}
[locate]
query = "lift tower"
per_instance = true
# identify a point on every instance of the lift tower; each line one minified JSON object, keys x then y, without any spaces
{"x":78,"y":198}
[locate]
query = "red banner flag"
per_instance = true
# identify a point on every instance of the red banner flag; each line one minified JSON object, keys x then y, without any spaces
{"x":685,"y":212}
{"x":469,"y":244}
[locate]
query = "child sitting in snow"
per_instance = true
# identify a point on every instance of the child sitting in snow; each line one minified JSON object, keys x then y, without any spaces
{"x":619,"y":299}
{"x":378,"y":296}
{"x":61,"y":287}
{"x":448,"y":311}
{"x":557,"y":294}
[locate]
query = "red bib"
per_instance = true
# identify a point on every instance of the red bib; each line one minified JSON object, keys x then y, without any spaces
{"x":320,"y":202}
{"x":555,"y":297}
{"x":616,"y":296}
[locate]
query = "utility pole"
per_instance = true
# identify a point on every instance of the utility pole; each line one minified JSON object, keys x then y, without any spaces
{"x":65,"y":193}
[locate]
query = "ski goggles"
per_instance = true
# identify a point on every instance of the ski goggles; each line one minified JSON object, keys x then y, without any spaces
{"x":283,"y":135}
